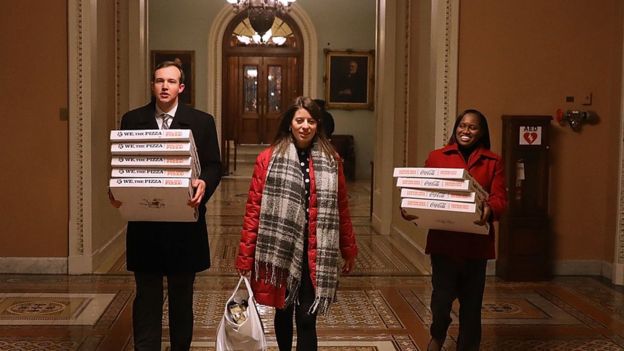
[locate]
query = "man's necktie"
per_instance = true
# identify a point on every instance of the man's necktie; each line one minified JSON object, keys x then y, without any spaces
{"x":165,"y":121}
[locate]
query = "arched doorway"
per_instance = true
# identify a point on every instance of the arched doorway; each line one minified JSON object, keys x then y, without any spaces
{"x":259,"y":81}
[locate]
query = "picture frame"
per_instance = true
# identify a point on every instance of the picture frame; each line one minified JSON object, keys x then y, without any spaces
{"x":187,"y":60}
{"x":349,"y":79}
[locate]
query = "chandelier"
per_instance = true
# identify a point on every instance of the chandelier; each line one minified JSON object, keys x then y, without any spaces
{"x":261,"y":13}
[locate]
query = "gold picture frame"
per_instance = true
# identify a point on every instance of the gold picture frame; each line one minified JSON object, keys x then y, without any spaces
{"x":349,"y":79}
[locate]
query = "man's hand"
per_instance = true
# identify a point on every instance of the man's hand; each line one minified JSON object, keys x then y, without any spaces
{"x":111,"y":198}
{"x":200,"y":188}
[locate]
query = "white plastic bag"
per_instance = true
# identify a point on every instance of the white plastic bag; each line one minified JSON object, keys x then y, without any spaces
{"x":246,"y":333}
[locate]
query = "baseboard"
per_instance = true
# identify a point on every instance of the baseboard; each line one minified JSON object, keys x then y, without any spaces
{"x":105,"y":257}
{"x":583,"y":267}
{"x":618,"y":274}
{"x":411,"y":249}
{"x":33,"y":265}
{"x":376,"y":222}
{"x":416,"y":254}
{"x":60,"y":265}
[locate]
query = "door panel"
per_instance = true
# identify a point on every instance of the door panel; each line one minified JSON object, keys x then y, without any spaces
{"x":275,"y":101}
{"x":263,"y":89}
{"x":249,"y":114}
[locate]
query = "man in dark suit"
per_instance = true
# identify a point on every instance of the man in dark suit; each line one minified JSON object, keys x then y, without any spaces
{"x":177,"y":250}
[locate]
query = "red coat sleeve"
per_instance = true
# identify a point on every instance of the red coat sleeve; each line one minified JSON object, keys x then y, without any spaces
{"x":497,"y":200}
{"x":348,"y":246}
{"x":249,"y":233}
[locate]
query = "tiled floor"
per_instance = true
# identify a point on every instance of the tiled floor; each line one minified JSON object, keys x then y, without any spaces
{"x":382,"y":306}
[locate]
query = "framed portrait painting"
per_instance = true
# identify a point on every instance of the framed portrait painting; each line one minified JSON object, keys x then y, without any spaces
{"x":187,"y":60}
{"x":349,"y":79}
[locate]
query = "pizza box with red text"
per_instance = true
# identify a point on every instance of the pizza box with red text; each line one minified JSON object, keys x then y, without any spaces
{"x":153,"y":173}
{"x":438,"y":173}
{"x":441,"y":195}
{"x":154,"y":199}
{"x":430,"y":172}
{"x":154,"y":148}
{"x":441,"y":184}
{"x":155,"y":162}
{"x":446,"y":215}
{"x":141,"y":135}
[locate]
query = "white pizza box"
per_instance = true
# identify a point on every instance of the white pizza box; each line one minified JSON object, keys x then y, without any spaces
{"x":156,"y":162}
{"x":441,"y":184}
{"x":154,"y":148}
{"x":151,"y":135}
{"x":153,"y":173}
{"x":446,"y":215}
{"x":429,"y":172}
{"x":441,"y":195}
{"x":438,"y":173}
{"x":154,"y":199}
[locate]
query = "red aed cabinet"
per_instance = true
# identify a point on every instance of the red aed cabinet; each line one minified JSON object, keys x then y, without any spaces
{"x":524,"y":232}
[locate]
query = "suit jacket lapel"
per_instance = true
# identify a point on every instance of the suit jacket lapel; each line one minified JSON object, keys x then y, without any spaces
{"x":148,"y":118}
{"x":182,"y":118}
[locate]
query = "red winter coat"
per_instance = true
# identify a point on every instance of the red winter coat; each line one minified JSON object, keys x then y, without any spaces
{"x":267,"y":294}
{"x":486,"y":168}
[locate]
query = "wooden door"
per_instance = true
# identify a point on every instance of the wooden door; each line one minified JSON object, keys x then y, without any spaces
{"x":261,"y":89}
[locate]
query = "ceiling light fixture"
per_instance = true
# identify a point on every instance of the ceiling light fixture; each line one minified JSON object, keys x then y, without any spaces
{"x":261,"y":13}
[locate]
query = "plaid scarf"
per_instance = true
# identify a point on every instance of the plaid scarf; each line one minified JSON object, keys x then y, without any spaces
{"x":281,"y":230}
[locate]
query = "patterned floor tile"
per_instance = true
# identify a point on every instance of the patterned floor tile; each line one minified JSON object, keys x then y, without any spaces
{"x":366,"y":309}
{"x":52,"y":309}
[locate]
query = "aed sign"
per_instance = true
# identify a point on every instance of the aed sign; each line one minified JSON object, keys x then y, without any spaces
{"x":530,"y":135}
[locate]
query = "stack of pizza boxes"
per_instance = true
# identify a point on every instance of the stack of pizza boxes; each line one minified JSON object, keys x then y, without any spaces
{"x":152,"y":174}
{"x":442,"y":198}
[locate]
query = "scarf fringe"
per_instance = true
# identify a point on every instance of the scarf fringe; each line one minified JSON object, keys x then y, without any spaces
{"x":292,"y":291}
{"x":271,"y":274}
{"x":320,"y":305}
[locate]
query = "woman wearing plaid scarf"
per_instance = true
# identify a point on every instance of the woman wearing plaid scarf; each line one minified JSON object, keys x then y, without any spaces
{"x":296,"y":225}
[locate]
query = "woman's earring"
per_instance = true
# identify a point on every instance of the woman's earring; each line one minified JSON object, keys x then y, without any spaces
{"x":290,"y":129}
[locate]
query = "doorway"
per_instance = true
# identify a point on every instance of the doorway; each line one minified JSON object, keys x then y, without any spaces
{"x":261,"y":89}
{"x":261,"y":78}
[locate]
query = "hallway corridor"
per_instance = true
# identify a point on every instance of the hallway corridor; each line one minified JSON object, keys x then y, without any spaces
{"x":382,"y":305}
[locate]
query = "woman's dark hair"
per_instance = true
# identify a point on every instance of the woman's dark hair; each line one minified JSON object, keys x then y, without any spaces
{"x":484,"y":139}
{"x":284,"y":134}
{"x":327,"y":120}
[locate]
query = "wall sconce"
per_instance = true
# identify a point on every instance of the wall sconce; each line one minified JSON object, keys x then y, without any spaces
{"x":576,"y":118}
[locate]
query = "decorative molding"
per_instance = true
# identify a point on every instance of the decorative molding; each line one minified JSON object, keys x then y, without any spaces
{"x":445,"y":36}
{"x":310,"y":50}
{"x":618,"y":269}
{"x":215,"y":58}
{"x":118,"y":58}
{"x":406,"y":82}
{"x":77,"y":117}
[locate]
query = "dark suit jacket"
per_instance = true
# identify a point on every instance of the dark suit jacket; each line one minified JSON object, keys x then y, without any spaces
{"x":170,"y":247}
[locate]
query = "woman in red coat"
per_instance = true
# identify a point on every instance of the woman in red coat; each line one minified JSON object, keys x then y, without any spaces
{"x":297,"y":225}
{"x":458,"y":260}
